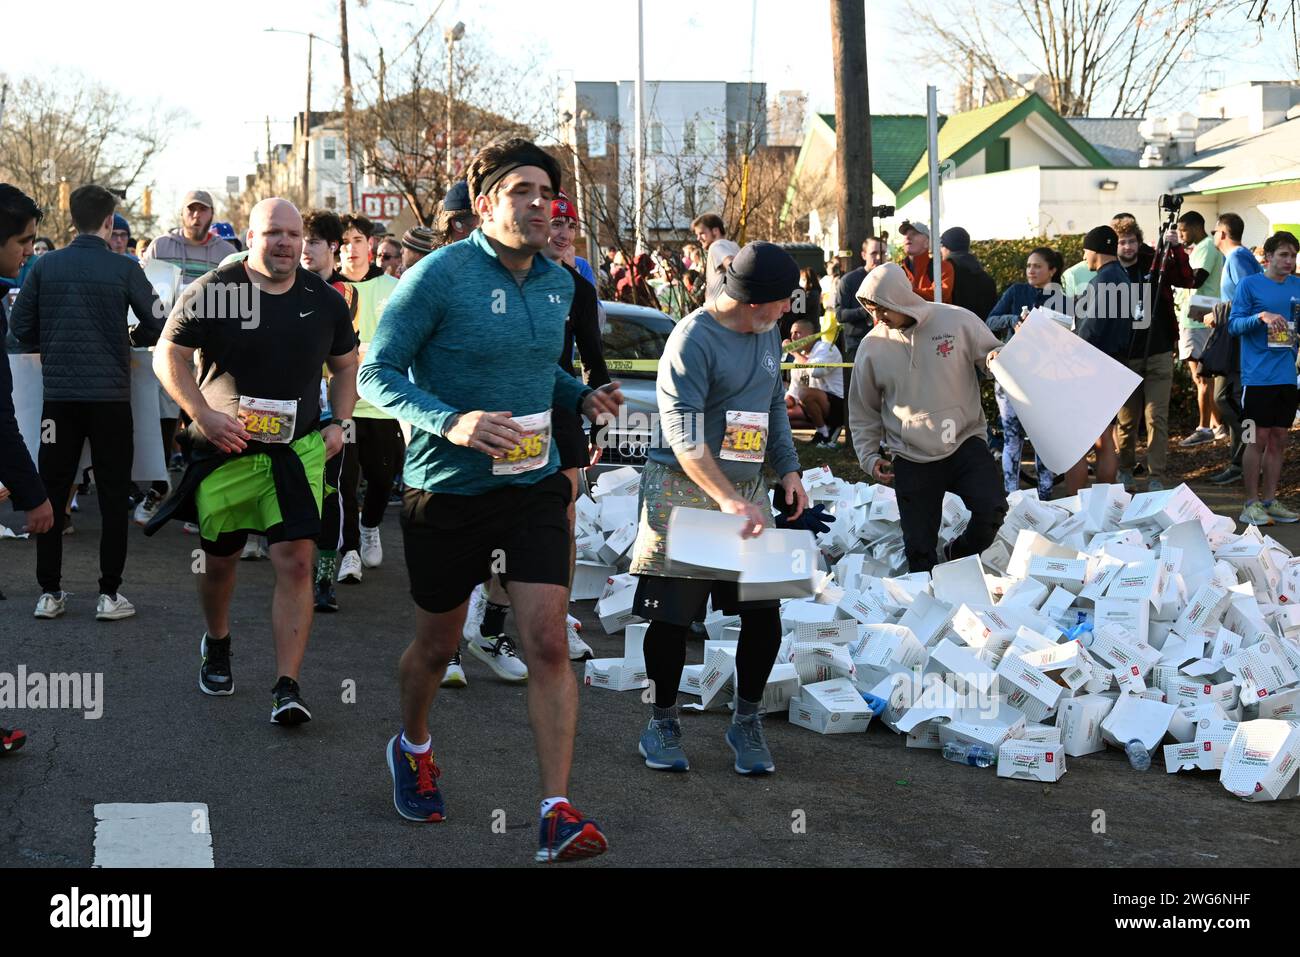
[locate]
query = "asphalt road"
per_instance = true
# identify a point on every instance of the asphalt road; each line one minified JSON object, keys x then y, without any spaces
{"x":320,"y":795}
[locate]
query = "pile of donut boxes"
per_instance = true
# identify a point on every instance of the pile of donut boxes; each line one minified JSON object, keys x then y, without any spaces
{"x":1091,"y":622}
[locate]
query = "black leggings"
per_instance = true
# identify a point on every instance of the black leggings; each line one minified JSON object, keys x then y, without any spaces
{"x":760,"y":640}
{"x":331,"y":525}
{"x":377,"y":454}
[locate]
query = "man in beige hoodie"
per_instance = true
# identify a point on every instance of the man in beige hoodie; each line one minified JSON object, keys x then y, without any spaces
{"x":915,"y":390}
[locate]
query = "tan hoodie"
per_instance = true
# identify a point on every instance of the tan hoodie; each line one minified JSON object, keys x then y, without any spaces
{"x":916,"y":388}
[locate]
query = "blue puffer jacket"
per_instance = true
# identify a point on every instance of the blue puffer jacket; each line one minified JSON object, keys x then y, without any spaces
{"x":1004,"y":316}
{"x":72,"y":309}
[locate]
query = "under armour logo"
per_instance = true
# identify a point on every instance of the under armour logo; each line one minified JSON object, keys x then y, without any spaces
{"x":651,"y":603}
{"x":553,"y":297}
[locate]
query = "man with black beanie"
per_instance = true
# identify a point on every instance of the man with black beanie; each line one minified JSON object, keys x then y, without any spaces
{"x":972,"y":287}
{"x":722,"y":414}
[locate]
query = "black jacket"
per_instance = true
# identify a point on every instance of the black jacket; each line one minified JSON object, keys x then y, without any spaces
{"x":72,"y":309}
{"x":853,"y":319}
{"x":972,"y":287}
{"x":17,"y":472}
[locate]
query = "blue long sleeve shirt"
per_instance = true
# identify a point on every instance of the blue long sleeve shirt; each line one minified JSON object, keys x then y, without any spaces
{"x":471,"y":338}
{"x":1006,"y":313}
{"x":1261,"y":365}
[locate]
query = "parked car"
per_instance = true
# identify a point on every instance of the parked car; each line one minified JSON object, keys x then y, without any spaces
{"x":631,"y":332}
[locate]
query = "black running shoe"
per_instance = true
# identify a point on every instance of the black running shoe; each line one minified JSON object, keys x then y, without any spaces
{"x":325,"y":597}
{"x":287,"y":706}
{"x":214,"y":673}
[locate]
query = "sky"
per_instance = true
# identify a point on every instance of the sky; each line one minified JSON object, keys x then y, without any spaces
{"x":229,"y":74}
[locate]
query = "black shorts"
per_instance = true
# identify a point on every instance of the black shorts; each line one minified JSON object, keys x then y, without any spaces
{"x":570,"y":439}
{"x":680,"y":601}
{"x":232,"y":543}
{"x":454,"y":542}
{"x":1269,"y":406}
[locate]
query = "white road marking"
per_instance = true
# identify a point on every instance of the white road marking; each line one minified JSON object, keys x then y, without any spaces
{"x":170,"y":834}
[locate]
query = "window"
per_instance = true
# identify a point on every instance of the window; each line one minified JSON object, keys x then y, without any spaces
{"x":744,"y":130}
{"x":706,"y":137}
{"x":331,"y":201}
{"x":639,"y":338}
{"x":656,"y":137}
{"x":997,"y":157}
{"x":330,"y":148}
{"x":596,"y":135}
{"x":688,"y":138}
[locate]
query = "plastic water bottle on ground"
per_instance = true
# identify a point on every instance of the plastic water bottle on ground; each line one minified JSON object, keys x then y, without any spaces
{"x":1138,"y":756}
{"x":976,"y":755}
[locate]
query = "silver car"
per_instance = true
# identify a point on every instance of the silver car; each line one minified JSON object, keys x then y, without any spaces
{"x":631,"y":332}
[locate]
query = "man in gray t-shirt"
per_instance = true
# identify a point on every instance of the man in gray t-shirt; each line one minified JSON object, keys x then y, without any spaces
{"x":719,"y":251}
{"x":721,"y":416}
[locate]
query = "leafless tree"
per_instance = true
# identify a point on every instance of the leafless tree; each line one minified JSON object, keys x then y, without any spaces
{"x":401,"y":129}
{"x":1268,"y":14}
{"x":76,"y":131}
{"x":1096,"y":56}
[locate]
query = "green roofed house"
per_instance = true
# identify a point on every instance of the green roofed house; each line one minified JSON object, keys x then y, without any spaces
{"x":1009,"y":170}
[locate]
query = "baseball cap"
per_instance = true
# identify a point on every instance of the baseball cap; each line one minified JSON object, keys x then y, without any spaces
{"x":197,"y":196}
{"x":457,"y":198}
{"x":910,"y":227}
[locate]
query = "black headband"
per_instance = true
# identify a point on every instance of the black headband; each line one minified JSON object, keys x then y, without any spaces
{"x":530,"y":157}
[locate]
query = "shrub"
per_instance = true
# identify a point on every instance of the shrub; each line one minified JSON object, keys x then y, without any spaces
{"x":1005,"y":258}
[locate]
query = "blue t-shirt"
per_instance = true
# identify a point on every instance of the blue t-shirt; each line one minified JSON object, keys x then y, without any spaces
{"x":1260,"y":364}
{"x":1240,"y":264}
{"x":584,"y":269}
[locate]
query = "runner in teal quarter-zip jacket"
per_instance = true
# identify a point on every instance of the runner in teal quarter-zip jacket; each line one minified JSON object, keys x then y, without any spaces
{"x":473,"y":337}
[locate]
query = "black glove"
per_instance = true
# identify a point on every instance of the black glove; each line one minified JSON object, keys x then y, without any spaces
{"x":815,"y":518}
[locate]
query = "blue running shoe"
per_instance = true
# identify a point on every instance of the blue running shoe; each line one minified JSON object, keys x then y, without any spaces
{"x":745,"y":735}
{"x":661,"y":746}
{"x":415,"y":784}
{"x":567,"y":836}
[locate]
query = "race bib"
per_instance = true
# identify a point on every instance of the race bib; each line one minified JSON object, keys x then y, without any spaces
{"x":534,"y":448}
{"x":746,"y":437}
{"x":1282,"y":339}
{"x":268,"y":420}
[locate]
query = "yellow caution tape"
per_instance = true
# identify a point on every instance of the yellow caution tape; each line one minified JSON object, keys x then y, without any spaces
{"x":652,"y":365}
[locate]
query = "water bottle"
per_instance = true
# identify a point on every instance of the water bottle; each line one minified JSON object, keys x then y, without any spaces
{"x":1138,"y":756}
{"x":976,"y":755}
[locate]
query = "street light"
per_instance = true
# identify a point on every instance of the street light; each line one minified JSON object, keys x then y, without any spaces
{"x":451,"y":35}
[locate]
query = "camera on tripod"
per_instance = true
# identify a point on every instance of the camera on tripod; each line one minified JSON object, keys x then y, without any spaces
{"x":882,"y":212}
{"x":1171,"y":202}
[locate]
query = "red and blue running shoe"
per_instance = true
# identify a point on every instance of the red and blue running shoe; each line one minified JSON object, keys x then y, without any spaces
{"x":11,"y":740}
{"x":415,"y":784}
{"x":567,"y":836}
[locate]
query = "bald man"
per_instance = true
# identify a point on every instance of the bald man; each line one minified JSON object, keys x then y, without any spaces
{"x":263,"y":328}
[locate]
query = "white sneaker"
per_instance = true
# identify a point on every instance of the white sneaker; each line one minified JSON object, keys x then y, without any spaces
{"x":147,"y":507}
{"x":112,"y":609}
{"x":50,"y":605}
{"x":455,"y":676}
{"x":350,"y":568}
{"x":190,"y":528}
{"x":249,"y":554}
{"x":579,"y":650}
{"x":499,"y":654}
{"x":574,"y":623}
{"x":474,"y":616}
{"x":372,"y":549}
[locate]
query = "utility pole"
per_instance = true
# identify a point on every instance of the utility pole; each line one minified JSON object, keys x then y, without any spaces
{"x":347,"y":101}
{"x":639,"y":96}
{"x":268,"y":152}
{"x":451,"y":35}
{"x":306,"y":134}
{"x":852,"y":124}
{"x":936,"y":184}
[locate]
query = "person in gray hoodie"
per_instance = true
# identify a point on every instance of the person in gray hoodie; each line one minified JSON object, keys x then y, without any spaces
{"x":915,"y":391}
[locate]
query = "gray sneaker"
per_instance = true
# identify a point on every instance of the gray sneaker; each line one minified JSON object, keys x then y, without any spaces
{"x":661,"y":746}
{"x":745,"y":735}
